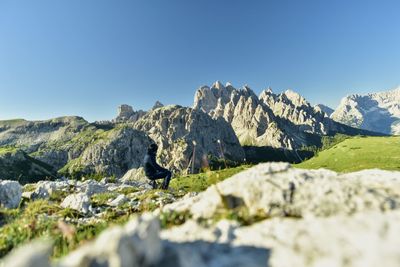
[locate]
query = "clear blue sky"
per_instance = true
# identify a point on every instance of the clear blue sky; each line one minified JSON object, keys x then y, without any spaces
{"x":85,"y":57}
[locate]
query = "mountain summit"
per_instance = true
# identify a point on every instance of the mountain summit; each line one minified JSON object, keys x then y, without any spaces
{"x":379,"y":112}
{"x":283,"y":120}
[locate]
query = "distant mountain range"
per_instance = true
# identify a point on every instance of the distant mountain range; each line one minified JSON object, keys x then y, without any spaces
{"x":283,"y":120}
{"x":378,"y":112}
{"x":225,"y":126}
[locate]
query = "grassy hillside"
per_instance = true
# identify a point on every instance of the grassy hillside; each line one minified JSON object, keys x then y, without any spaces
{"x":17,"y":165}
{"x":358,"y":153}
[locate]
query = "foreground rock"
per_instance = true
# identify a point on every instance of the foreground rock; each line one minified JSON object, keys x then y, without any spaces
{"x":35,"y":254}
{"x":79,"y":202}
{"x":135,"y":175}
{"x":136,"y":244}
{"x":279,"y":190}
{"x":10,"y":194}
{"x":365,"y":239}
{"x":281,"y":217}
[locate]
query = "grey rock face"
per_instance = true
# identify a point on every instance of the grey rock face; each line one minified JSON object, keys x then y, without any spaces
{"x":122,"y":149}
{"x":278,"y":190}
{"x":127,"y":114}
{"x":177,"y":130}
{"x":287,"y":242}
{"x":253,"y":122}
{"x":293,"y":107}
{"x":137,"y":175}
{"x":10,"y":194}
{"x":91,"y":187}
{"x":379,"y":112}
{"x":79,"y":202}
{"x":44,"y":189}
{"x":118,"y":201}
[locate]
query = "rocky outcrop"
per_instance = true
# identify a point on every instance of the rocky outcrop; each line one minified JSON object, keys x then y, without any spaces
{"x":113,"y":153}
{"x":135,"y":175}
{"x":177,"y":130}
{"x":10,"y":194}
{"x":79,"y":202}
{"x":379,"y":112}
{"x":44,"y":189}
{"x":158,"y":104}
{"x":127,"y":114}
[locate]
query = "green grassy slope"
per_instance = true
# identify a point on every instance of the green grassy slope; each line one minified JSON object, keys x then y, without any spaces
{"x":358,"y":153}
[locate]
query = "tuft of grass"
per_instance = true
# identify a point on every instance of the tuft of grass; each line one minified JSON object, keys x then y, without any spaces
{"x":8,"y":150}
{"x":128,"y":190}
{"x":169,"y":219}
{"x":101,"y":199}
{"x":33,"y":221}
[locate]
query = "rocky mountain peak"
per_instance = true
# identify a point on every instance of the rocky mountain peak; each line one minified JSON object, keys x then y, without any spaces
{"x":295,"y":98}
{"x":228,"y":84}
{"x":379,"y":112}
{"x":277,"y":120}
{"x":125,"y":111}
{"x":267,"y":96}
{"x":218,"y":85}
{"x":127,"y":114}
{"x":158,"y":104}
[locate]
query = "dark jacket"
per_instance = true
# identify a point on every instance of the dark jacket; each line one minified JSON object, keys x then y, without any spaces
{"x":150,"y":165}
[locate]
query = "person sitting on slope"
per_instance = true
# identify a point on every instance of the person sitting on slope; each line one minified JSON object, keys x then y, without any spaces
{"x":154,"y":171}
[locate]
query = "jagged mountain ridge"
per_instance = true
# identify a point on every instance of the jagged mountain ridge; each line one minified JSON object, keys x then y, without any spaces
{"x":278,"y":120}
{"x":379,"y":112}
